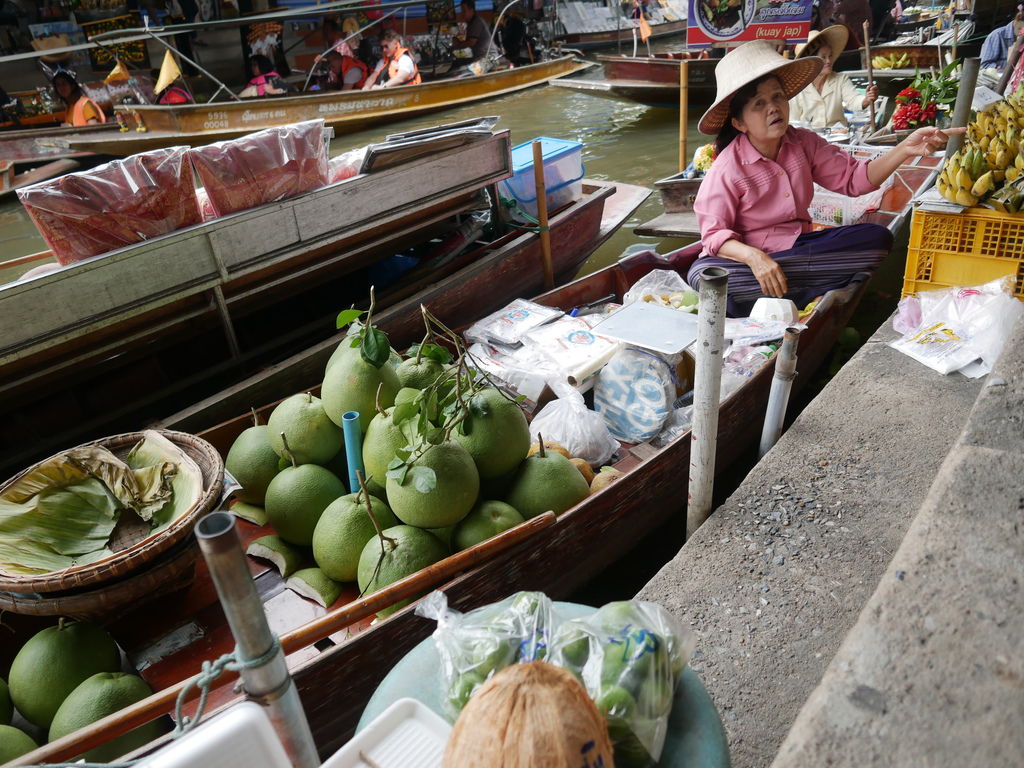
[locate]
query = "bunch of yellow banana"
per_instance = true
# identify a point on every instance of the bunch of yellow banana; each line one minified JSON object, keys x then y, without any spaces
{"x":966,"y":177}
{"x":892,"y":61}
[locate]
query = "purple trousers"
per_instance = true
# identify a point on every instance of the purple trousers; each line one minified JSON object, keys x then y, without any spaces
{"x":817,"y":262}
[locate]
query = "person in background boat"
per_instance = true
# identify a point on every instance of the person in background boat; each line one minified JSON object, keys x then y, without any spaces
{"x":79,"y":108}
{"x":852,"y":14}
{"x":996,"y":48}
{"x":265,"y":81}
{"x":752,"y":207}
{"x":885,"y":24}
{"x":478,"y":33}
{"x":821,"y":103}
{"x":515,"y":41}
{"x":344,"y":73}
{"x":396,"y":68}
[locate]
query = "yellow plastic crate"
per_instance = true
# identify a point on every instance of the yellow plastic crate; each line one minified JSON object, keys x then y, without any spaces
{"x":969,"y":248}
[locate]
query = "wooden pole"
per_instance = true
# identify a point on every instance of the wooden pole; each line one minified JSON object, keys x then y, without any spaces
{"x":162,"y":702}
{"x":684,"y":87}
{"x":542,"y":214}
{"x":871,"y":72}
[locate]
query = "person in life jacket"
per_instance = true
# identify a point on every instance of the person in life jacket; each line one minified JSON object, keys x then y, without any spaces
{"x":172,"y":94}
{"x":396,"y":68}
{"x":265,"y":81}
{"x":80,"y":109}
{"x":344,"y":73}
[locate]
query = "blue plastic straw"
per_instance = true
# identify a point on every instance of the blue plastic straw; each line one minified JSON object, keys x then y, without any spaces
{"x":353,"y":448}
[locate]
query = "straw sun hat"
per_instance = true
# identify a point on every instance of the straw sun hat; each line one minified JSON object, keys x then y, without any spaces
{"x":747,"y":63}
{"x":835,"y":37}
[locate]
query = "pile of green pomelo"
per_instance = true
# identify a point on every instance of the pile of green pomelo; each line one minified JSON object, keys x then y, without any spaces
{"x":65,"y":678}
{"x":447,"y":457}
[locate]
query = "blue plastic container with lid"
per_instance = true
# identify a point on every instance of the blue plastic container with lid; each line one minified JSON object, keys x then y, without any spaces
{"x":563,"y":176}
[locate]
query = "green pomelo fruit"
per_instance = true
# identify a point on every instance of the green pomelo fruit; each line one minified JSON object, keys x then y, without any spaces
{"x":297,"y":497}
{"x":14,"y":743}
{"x":406,"y":395}
{"x":453,"y":495}
{"x":101,"y":695}
{"x":574,"y":646}
{"x":312,"y":437}
{"x":253,"y":462}
{"x":6,"y":707}
{"x":495,"y":433}
{"x":53,"y":663}
{"x":548,"y":482}
{"x":382,"y":439}
{"x":616,"y":701}
{"x":409,"y":550}
{"x":486,"y":519}
{"x":351,"y":383}
{"x":342,"y":532}
{"x":418,"y":375}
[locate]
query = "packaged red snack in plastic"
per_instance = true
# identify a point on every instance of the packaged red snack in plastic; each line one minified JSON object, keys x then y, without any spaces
{"x":113,"y":205}
{"x":263,"y":167}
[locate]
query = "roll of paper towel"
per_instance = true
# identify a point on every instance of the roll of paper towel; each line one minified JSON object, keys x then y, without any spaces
{"x":783,"y":310}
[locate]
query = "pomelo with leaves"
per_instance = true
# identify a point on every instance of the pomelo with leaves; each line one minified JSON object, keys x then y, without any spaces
{"x":382,"y":441}
{"x":397,"y":552}
{"x":312,"y":437}
{"x":434,"y":486}
{"x":494,"y":431}
{"x":343,"y":530}
{"x":359,"y":377}
{"x":424,"y":366}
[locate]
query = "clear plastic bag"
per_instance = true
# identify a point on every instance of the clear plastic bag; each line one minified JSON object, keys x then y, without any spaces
{"x":575,"y":427}
{"x":629,"y":656}
{"x":665,"y":287}
{"x":346,"y":165}
{"x":510,"y":324}
{"x":264,"y":167}
{"x":570,"y":343}
{"x":113,"y":205}
{"x":678,"y":422}
{"x":474,"y":646}
{"x":634,"y":394}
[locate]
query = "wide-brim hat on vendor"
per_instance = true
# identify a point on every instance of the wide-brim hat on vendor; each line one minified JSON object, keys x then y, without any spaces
{"x":835,"y":37}
{"x":747,"y":63}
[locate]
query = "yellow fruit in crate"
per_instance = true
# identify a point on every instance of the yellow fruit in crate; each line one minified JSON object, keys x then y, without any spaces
{"x":983,"y":185}
{"x":964,"y":197}
{"x":963,"y":179}
{"x":1012,"y":173}
{"x":999,"y":175}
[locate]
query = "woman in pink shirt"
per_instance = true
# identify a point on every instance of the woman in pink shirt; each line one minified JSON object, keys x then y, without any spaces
{"x":753,"y":205}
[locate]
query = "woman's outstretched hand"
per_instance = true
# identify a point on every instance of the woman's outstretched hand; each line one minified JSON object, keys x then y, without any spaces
{"x":924,"y":141}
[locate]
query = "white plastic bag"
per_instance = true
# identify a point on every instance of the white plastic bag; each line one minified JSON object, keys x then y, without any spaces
{"x":634,"y":394}
{"x":573,"y":347}
{"x":568,"y":422}
{"x":665,"y":287}
{"x":510,"y":324}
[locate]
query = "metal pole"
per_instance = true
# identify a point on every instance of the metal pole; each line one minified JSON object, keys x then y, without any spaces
{"x":778,"y":398}
{"x":964,"y":97}
{"x":269,"y":684}
{"x":706,"y":395}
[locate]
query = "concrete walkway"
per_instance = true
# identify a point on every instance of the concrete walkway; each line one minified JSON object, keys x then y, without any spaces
{"x":933,"y":672}
{"x":776,"y":578}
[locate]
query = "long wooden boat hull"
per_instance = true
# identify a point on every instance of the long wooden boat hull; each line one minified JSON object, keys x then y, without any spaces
{"x":652,"y":80}
{"x":582,"y":542}
{"x":586,"y":41}
{"x":40,"y":145}
{"x":196,"y":124}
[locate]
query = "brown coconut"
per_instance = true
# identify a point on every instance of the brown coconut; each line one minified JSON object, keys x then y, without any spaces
{"x":529,"y":716}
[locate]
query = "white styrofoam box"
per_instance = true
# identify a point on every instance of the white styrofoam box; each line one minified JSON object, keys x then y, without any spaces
{"x":241,"y":737}
{"x":405,"y":735}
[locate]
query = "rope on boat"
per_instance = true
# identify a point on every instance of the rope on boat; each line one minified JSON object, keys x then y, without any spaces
{"x":513,"y":206}
{"x":211,"y":670}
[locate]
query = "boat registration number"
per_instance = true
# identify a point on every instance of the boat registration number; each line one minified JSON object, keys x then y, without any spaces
{"x":215,"y":120}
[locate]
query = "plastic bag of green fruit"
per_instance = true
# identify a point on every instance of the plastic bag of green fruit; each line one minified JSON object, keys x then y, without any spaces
{"x":474,"y":646}
{"x":629,"y":656}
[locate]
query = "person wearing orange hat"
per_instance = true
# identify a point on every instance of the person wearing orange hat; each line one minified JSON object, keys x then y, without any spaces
{"x":821,"y":103}
{"x":752,"y":207}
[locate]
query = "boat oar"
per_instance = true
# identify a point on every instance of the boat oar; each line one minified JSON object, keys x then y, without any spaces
{"x":162,"y":702}
{"x":542,"y":215}
{"x":871,"y":71}
{"x":684,"y":84}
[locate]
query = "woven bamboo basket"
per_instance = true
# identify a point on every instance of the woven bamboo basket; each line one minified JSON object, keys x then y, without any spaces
{"x":134,"y":548}
{"x":171,"y":571}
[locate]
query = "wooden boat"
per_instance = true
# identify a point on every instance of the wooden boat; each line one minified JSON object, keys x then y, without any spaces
{"x":558,"y":557}
{"x":39,"y":145}
{"x":923,"y":56}
{"x":120,"y":341}
{"x":599,"y":25}
{"x":678,"y":193}
{"x":11,"y":182}
{"x":650,"y":80}
{"x":195,"y":124}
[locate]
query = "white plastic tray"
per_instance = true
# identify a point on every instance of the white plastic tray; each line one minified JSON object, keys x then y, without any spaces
{"x":405,"y":735}
{"x":651,"y":326}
